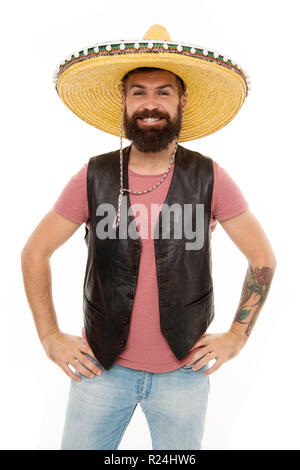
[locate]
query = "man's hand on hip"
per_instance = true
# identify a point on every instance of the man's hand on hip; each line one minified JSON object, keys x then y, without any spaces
{"x":65,"y":350}
{"x":221,"y":347}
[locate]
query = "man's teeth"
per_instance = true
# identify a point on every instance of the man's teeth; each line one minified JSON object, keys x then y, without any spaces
{"x":151,"y":119}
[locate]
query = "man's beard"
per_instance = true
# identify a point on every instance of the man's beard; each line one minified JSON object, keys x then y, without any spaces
{"x":155,"y":138}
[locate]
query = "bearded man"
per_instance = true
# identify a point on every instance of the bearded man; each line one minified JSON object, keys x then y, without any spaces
{"x":148,"y":298}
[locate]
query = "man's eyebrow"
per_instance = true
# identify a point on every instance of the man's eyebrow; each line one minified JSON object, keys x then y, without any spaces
{"x":137,"y":85}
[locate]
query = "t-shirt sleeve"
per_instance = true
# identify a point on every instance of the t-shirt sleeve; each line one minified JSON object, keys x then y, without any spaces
{"x":227,"y":198}
{"x":72,"y":202}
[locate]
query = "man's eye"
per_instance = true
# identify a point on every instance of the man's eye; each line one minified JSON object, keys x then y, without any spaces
{"x":164,"y":93}
{"x":138,"y":93}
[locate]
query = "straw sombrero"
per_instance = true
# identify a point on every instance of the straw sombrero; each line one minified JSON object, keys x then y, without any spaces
{"x":88,"y":81}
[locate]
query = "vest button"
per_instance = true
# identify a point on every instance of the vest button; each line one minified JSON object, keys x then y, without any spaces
{"x":123,"y":342}
{"x":130,"y":295}
{"x":125,"y":320}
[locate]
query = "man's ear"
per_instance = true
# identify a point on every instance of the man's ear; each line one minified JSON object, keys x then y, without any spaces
{"x":181,"y":102}
{"x":183,"y":98}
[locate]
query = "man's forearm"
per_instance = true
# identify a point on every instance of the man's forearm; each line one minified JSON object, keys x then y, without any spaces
{"x":37,"y":282}
{"x":254,"y":293}
{"x":63,"y":349}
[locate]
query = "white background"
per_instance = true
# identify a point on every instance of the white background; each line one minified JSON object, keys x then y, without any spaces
{"x":254,"y":399}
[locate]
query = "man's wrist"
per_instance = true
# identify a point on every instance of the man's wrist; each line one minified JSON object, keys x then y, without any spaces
{"x":46,"y":337}
{"x":239,"y":337}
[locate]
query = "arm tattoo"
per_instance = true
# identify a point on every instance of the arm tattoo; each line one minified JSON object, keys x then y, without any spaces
{"x":255,"y":290}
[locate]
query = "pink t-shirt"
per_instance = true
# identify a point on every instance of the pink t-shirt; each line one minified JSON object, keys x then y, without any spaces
{"x":146,"y":347}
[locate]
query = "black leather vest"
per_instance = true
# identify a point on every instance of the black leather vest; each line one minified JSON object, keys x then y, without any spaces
{"x":184,"y":276}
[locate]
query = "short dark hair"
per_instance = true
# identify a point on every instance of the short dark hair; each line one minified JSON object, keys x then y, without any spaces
{"x":180,"y":83}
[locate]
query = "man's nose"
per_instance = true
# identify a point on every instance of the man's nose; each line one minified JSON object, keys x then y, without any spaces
{"x":151,"y":104}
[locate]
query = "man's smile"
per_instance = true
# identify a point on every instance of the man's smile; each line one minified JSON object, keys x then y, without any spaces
{"x":150,"y":121}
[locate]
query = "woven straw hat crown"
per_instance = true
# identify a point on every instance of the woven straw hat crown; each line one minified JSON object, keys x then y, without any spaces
{"x":157,"y":31}
{"x":88,"y":81}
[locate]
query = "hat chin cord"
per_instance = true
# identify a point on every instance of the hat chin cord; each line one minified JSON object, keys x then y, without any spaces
{"x":122,"y":190}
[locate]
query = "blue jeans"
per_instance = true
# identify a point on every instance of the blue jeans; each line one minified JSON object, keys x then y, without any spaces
{"x":100,"y":409}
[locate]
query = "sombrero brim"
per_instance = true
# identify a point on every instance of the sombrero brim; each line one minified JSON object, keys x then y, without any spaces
{"x":89,"y":85}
